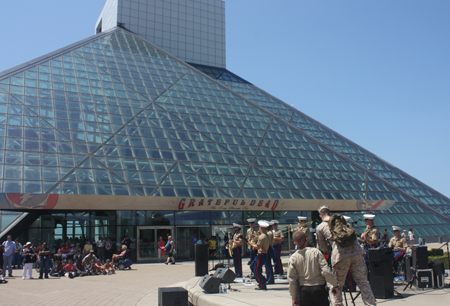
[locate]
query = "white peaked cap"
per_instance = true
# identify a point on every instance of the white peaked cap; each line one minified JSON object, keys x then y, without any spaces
{"x":274,"y":221}
{"x":263,"y":223}
{"x":369,"y":216}
{"x":236,"y":225}
{"x":251,"y":220}
{"x":396,"y":228}
{"x":347,"y":218}
{"x":270,"y":222}
{"x":300,"y":218}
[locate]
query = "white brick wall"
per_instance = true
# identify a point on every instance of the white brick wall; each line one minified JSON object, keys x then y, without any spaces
{"x":192,"y":30}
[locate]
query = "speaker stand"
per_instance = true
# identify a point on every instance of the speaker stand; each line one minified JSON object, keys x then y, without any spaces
{"x":352,"y":299}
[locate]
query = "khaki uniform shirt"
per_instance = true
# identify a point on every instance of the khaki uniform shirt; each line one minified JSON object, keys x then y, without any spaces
{"x":277,"y":234}
{"x":270,"y":235}
{"x":308,"y":267}
{"x":372,"y":233}
{"x":237,"y":238}
{"x":325,"y":241}
{"x":264,"y":243}
{"x":398,"y":243}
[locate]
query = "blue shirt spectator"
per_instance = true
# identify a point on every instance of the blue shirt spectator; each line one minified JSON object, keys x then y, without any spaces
{"x":10,"y":247}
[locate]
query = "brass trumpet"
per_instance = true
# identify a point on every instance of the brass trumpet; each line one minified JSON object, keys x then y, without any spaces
{"x":229,"y":246}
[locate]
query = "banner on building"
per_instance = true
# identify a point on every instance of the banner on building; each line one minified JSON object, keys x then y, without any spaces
{"x":28,"y":201}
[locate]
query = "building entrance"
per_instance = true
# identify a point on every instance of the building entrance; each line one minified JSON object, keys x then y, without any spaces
{"x":148,"y":238}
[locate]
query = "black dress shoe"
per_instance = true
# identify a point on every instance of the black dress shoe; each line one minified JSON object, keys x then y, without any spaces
{"x":257,"y":288}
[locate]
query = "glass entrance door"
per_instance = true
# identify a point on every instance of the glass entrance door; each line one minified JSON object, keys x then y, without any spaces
{"x":148,"y":241}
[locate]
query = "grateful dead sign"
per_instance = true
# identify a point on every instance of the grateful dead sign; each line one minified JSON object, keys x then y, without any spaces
{"x":28,"y":201}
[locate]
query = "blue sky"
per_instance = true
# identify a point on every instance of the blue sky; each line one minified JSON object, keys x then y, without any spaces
{"x":377,"y":72}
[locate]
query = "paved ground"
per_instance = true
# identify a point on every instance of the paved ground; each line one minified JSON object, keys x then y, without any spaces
{"x":129,"y":287}
{"x":140,"y":287}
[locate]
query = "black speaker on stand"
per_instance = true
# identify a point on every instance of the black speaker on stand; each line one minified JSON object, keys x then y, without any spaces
{"x":408,"y":266}
{"x":381,"y":276}
{"x":201,"y":259}
{"x":420,"y":257}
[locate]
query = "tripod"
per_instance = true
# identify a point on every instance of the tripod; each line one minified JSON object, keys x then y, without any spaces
{"x":349,"y":290}
{"x":411,"y":281}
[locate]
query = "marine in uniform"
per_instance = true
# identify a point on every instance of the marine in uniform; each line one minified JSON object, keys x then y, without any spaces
{"x":236,"y":244}
{"x":371,"y":236}
{"x":399,"y":245}
{"x":251,"y":236}
{"x":303,"y":226}
{"x":278,"y":238}
{"x":344,"y":259}
{"x":308,"y":274}
{"x":269,"y":268}
{"x":262,"y":246}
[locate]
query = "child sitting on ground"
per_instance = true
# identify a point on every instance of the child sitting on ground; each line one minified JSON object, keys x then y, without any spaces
{"x":108,"y":267}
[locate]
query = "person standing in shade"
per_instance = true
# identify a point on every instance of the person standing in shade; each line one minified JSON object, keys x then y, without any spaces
{"x":399,"y":245}
{"x":251,"y":237}
{"x":17,"y":254}
{"x":236,"y":244}
{"x":278,"y":238}
{"x":29,"y":257}
{"x":108,"y":248}
{"x":262,"y":246}
{"x":193,"y":243}
{"x":101,"y":249}
{"x":8,"y":253}
{"x":269,"y":268}
{"x":371,"y":236}
{"x":308,"y":274}
{"x":344,"y":259}
{"x":44,"y":260}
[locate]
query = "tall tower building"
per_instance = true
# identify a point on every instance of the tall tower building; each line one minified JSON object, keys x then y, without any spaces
{"x":192,"y":30}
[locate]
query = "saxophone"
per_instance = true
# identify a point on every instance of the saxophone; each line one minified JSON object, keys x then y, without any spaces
{"x":253,"y":240}
{"x":229,"y":246}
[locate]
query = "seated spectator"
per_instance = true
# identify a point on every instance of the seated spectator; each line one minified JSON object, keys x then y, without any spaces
{"x":77,"y":255}
{"x":99,"y":268}
{"x":72,"y":251}
{"x":119,"y":256}
{"x":58,"y":269}
{"x":71,"y":270}
{"x":90,"y":268}
{"x":109,"y":267}
{"x":88,"y":258}
{"x":87,"y":248}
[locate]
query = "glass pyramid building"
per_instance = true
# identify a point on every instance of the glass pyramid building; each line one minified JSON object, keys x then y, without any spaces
{"x":114,"y":115}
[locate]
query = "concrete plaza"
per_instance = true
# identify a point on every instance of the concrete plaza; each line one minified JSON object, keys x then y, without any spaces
{"x":140,"y":287}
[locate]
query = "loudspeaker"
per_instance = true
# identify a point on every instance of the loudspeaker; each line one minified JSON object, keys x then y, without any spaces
{"x":175,"y":296}
{"x":420,"y":257}
{"x":424,"y":278}
{"x":201,"y":259}
{"x":438,"y":273}
{"x":225,"y":275}
{"x":408,"y":266}
{"x":210,"y":284}
{"x":381,"y":276}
